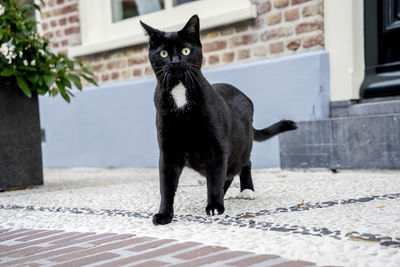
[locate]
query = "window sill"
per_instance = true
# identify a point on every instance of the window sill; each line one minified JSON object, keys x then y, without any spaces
{"x":226,"y":17}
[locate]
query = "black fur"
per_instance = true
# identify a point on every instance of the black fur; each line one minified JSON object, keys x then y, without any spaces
{"x":212,"y":133}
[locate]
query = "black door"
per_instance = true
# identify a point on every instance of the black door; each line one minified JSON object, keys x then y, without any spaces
{"x":382,"y":48}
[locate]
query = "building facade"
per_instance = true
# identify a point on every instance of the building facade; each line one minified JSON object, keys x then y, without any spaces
{"x":293,"y":58}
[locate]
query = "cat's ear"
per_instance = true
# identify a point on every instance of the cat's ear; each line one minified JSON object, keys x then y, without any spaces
{"x":154,"y":34}
{"x":192,"y":28}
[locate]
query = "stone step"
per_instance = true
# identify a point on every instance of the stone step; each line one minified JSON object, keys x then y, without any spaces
{"x":363,"y":142}
{"x":365,"y":107}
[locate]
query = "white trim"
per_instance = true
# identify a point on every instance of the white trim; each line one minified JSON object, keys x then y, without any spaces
{"x":344,"y":40}
{"x":99,"y":34}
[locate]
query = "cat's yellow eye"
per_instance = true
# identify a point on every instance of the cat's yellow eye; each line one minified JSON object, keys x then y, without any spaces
{"x":163,"y":53}
{"x":186,"y":51}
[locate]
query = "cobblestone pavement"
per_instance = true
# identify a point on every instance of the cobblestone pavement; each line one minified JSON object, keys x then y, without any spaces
{"x":297,"y":219}
{"x":27,"y":247}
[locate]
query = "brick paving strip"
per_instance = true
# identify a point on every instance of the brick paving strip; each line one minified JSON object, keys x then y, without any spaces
{"x":28,"y":247}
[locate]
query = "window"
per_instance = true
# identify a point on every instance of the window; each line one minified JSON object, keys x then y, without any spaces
{"x":113,"y":24}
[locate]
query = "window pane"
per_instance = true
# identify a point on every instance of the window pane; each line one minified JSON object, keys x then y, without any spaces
{"x":180,"y":2}
{"x":123,"y":9}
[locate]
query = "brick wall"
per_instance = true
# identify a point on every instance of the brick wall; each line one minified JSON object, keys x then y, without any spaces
{"x":281,"y":27}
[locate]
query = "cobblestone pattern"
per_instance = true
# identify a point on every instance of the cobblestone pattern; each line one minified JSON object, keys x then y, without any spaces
{"x":281,"y":27}
{"x":250,"y":219}
{"x":28,"y":247}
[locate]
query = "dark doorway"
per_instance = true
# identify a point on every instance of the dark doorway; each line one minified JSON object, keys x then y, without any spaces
{"x":382,"y":48}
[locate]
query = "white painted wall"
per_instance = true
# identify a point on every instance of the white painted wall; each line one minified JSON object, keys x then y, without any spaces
{"x":344,"y":40}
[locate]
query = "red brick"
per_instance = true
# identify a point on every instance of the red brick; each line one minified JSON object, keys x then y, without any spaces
{"x":204,"y":251}
{"x":213,"y":259}
{"x":59,"y":33}
{"x":114,"y":75}
{"x":150,"y":264}
{"x":309,"y":26}
{"x":57,"y":252}
{"x":263,"y":7}
{"x":291,"y":15}
{"x":253,"y":260}
{"x":275,"y":18}
{"x":137,"y":72}
{"x":72,"y":30}
{"x":137,"y":60}
{"x":63,"y":21}
{"x":148,"y":71}
{"x":214,"y":46}
{"x":276,"y":33}
{"x":241,"y":28}
{"x":45,"y":26}
{"x":293,"y":264}
{"x":312,"y":10}
{"x":69,"y":9}
{"x":105,"y":77}
{"x":89,"y":260}
{"x":34,"y":242}
{"x":294,"y":45}
{"x":69,"y":237}
{"x":228,"y":57}
{"x":281,"y":3}
{"x":152,"y":254}
{"x":73,"y":19}
{"x":313,"y":41}
{"x":53,"y":23}
{"x":259,"y":23}
{"x":59,"y":2}
{"x":243,"y":54}
{"x":296,"y":2}
{"x":227,"y":32}
{"x":64,"y":42}
{"x":15,"y":234}
{"x":89,"y":238}
{"x":214,"y":59}
{"x":275,"y":48}
{"x":99,"y":249}
{"x":48,"y":35}
{"x":151,"y":245}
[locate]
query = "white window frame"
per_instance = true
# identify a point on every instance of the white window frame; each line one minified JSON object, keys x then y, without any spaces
{"x":99,"y":33}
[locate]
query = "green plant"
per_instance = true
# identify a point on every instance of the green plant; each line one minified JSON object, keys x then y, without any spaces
{"x":26,"y":59}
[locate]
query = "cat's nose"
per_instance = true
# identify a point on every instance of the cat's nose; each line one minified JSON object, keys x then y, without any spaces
{"x":175,"y":60}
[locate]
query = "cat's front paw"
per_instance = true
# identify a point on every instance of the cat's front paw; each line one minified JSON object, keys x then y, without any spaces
{"x":161,"y":219}
{"x":215,"y":208}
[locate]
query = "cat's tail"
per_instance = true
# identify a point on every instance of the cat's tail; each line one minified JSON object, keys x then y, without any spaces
{"x":274,"y":129}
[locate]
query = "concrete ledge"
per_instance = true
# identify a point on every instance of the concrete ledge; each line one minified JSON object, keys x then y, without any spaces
{"x":367,"y":142}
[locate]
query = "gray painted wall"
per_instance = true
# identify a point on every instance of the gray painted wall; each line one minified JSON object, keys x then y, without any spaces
{"x":114,"y":125}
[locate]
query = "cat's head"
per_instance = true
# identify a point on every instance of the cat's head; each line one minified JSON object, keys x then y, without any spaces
{"x":175,"y":56}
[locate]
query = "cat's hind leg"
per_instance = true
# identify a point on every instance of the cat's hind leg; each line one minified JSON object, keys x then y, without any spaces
{"x":246,"y":183}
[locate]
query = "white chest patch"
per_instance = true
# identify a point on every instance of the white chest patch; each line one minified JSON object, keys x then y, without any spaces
{"x":179,"y":95}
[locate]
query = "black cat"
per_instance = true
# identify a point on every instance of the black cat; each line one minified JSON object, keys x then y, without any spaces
{"x":202,"y":126}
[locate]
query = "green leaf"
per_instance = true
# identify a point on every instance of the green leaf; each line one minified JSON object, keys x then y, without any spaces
{"x":33,"y":78}
{"x":49,"y":79}
{"x":89,"y":79}
{"x":61,"y":88}
{"x":25,"y":8}
{"x":76,"y":80}
{"x":24,"y":86}
{"x":88,"y":71}
{"x":7,"y":72}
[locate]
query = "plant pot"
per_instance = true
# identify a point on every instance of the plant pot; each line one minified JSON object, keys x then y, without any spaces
{"x":20,"y":138}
